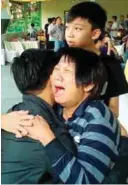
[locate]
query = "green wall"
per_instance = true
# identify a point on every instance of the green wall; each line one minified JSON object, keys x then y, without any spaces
{"x":56,"y":8}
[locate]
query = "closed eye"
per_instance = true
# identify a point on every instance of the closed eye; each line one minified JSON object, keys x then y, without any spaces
{"x":79,"y":29}
{"x":67,"y":70}
{"x":56,"y":68}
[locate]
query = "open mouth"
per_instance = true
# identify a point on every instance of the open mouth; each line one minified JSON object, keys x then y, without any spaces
{"x":59,"y":90}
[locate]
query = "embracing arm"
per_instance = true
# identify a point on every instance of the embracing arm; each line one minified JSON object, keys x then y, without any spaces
{"x":85,"y":166}
{"x":11,"y":122}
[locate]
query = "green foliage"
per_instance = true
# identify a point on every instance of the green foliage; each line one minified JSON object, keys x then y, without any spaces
{"x":23,"y":15}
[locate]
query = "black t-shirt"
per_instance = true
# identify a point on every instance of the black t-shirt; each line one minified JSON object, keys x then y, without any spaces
{"x":46,"y":28}
{"x":117,"y":84}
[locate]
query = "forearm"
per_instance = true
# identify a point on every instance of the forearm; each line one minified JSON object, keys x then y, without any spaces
{"x":11,"y":122}
{"x":68,"y":167}
{"x":123,"y":130}
{"x":59,"y":160}
{"x":114,"y":105}
{"x":109,"y":50}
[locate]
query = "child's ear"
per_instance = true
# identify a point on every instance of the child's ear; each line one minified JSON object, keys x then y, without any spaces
{"x":95,"y":34}
{"x":88,"y":88}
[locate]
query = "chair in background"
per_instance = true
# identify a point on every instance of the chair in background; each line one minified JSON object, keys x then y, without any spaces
{"x":12,"y":49}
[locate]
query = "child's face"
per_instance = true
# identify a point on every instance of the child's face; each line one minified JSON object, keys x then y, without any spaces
{"x":65,"y":90}
{"x":79,"y":33}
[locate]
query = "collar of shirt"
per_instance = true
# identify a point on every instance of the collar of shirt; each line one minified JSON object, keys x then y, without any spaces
{"x":78,"y":112}
{"x":35,"y":99}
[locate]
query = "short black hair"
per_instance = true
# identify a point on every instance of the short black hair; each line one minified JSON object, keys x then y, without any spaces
{"x":32,"y":24}
{"x":91,"y":11}
{"x":89,"y":68}
{"x":53,"y":18}
{"x":114,"y":17}
{"x":32,"y":69}
{"x":49,"y":20}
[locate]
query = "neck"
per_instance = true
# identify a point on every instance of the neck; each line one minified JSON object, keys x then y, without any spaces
{"x":46,"y":94}
{"x":69,"y":110}
{"x":92,"y":48}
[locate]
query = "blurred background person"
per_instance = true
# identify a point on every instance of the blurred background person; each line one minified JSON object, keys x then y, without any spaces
{"x":109,"y":26}
{"x":126,"y":24}
{"x":105,"y":44}
{"x":46,"y":30}
{"x":51,"y":38}
{"x":114,"y":27}
{"x":50,"y":27}
{"x":121,"y":21}
{"x":32,"y":32}
{"x":58,"y":32}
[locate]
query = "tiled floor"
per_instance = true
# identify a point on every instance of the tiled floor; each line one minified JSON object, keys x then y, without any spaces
{"x":10,"y":95}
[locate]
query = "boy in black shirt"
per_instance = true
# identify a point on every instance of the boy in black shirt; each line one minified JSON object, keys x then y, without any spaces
{"x":85,"y":23}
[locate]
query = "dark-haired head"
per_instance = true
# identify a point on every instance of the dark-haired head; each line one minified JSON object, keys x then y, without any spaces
{"x":90,"y":11}
{"x":31,"y":71}
{"x":89,"y":70}
{"x":53,"y":20}
{"x":32,"y":24}
{"x":49,"y":20}
{"x":114,"y":17}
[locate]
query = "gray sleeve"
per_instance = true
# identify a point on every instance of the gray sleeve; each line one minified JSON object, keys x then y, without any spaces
{"x":53,"y":32}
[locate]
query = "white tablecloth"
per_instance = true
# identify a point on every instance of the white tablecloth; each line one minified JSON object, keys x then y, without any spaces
{"x":30,"y":44}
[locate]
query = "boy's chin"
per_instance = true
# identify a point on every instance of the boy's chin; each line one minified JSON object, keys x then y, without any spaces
{"x":71,"y":44}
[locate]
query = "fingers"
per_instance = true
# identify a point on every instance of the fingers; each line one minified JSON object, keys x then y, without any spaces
{"x":22,"y":112}
{"x":38,"y":119}
{"x":27,"y":117}
{"x":22,"y":130}
{"x":28,"y":123}
{"x":18,"y":134}
{"x":22,"y":115}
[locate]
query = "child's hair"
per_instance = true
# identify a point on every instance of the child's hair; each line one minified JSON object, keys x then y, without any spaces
{"x":114,"y":17}
{"x":91,"y":11}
